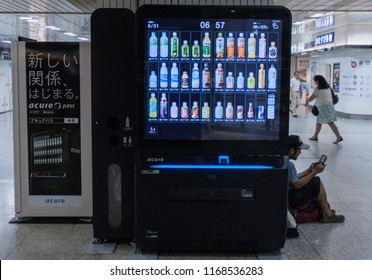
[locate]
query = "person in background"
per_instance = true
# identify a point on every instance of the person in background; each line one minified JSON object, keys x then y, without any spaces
{"x":327,"y":113}
{"x":306,"y":185}
{"x":295,"y":88}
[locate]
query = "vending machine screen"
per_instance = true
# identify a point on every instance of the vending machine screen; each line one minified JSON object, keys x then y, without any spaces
{"x":215,"y":79}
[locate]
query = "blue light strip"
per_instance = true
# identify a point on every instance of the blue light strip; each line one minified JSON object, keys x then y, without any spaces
{"x":211,"y":166}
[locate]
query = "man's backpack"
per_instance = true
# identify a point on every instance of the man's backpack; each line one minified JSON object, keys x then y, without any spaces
{"x":308,"y":212}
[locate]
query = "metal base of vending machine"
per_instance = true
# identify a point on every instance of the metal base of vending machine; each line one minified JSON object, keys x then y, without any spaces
{"x":210,"y":202}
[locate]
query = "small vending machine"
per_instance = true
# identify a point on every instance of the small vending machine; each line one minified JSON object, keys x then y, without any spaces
{"x":212,"y":123}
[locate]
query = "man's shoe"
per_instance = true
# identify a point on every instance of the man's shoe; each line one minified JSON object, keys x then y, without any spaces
{"x":333,"y":219}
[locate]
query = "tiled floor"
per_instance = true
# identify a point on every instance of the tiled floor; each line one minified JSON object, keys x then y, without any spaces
{"x":347,"y":179}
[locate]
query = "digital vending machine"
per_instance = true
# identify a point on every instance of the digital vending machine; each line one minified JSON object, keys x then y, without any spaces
{"x":212,"y":122}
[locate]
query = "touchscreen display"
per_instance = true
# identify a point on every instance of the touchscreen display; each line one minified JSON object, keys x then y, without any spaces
{"x":212,"y":79}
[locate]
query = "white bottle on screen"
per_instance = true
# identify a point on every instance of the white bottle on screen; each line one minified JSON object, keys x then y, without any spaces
{"x":195,"y":76}
{"x":240,"y":81}
{"x":229,"y":111}
{"x":262,"y":46}
{"x":174,"y":76}
{"x":163,"y":76}
{"x":153,"y":80}
{"x":218,"y":112}
{"x":153,"y":45}
{"x":174,"y":111}
{"x":164,"y":49}
{"x":272,"y":77}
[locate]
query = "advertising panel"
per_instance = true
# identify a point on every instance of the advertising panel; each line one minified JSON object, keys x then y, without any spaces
{"x":53,"y":102}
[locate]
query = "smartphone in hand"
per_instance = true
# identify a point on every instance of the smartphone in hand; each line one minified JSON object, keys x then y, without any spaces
{"x":322,"y":159}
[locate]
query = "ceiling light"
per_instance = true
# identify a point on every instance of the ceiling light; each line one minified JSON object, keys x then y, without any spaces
{"x":25,"y":17}
{"x":83,"y":39}
{"x":50,"y":26}
{"x":6,"y":41}
{"x":69,"y":34}
{"x":55,"y":28}
{"x":298,"y":23}
{"x":316,"y":15}
{"x":33,"y":20}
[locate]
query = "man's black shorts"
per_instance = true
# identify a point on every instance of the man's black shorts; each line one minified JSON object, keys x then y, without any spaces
{"x":297,"y":197}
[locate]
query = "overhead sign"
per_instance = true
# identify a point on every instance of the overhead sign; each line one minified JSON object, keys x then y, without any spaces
{"x":325,"y":39}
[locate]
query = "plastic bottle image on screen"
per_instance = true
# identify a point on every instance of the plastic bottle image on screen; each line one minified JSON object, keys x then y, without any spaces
{"x":251,"y":81}
{"x":184,"y":80}
{"x":273,"y":50}
{"x":195,"y":110}
{"x":174,"y":111}
{"x":206,"y":77}
{"x":195,"y":77}
{"x":163,"y":112}
{"x":230,"y":42}
{"x":250,"y":114}
{"x":230,"y":80}
{"x":251,"y":46}
{"x":185,"y":49}
{"x":218,"y":112}
{"x":240,"y":81}
{"x":207,"y":46}
{"x":184,"y":111}
{"x":229,"y":111}
{"x":164,"y":49}
{"x":174,"y":76}
{"x":241,"y":46}
{"x":220,"y":46}
{"x":153,"y":80}
{"x":195,"y":49}
{"x":261,"y":77}
{"x":153,"y":45}
{"x":163,"y":76}
{"x":240,"y":112}
{"x":272,"y":77}
{"x":153,"y":107}
{"x":175,"y":42}
{"x":219,"y":76}
{"x":206,"y":111}
{"x":262,"y":46}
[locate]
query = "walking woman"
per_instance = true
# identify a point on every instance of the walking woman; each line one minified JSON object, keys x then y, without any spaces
{"x":327,"y":114}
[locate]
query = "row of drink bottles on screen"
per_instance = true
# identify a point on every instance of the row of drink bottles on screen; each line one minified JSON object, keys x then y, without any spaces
{"x":159,"y":111}
{"x":221,"y":80}
{"x":228,"y":45}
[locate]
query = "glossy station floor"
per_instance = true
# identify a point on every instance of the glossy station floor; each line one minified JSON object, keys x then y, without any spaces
{"x":347,"y":179}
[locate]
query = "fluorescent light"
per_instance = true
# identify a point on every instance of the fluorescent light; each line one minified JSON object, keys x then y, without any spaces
{"x":69,"y":34}
{"x":25,"y":17}
{"x":83,"y":39}
{"x":33,"y":20}
{"x":50,"y":26}
{"x":316,"y":15}
{"x":55,"y":28}
{"x":6,"y":41}
{"x":298,"y":23}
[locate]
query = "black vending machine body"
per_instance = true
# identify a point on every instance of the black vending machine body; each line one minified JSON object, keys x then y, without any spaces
{"x":212,"y":126}
{"x":113,"y":83}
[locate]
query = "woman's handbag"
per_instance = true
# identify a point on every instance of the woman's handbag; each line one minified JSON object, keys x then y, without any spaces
{"x":315,"y":110}
{"x":334,"y":97}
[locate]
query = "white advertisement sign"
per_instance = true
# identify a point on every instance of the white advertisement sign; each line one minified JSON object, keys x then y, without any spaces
{"x":355,"y":86}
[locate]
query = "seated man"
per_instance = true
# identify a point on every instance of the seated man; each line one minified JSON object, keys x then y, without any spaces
{"x":305,"y":186}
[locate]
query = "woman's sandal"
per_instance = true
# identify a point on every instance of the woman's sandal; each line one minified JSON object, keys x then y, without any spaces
{"x":338,"y":140}
{"x":313,"y":138}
